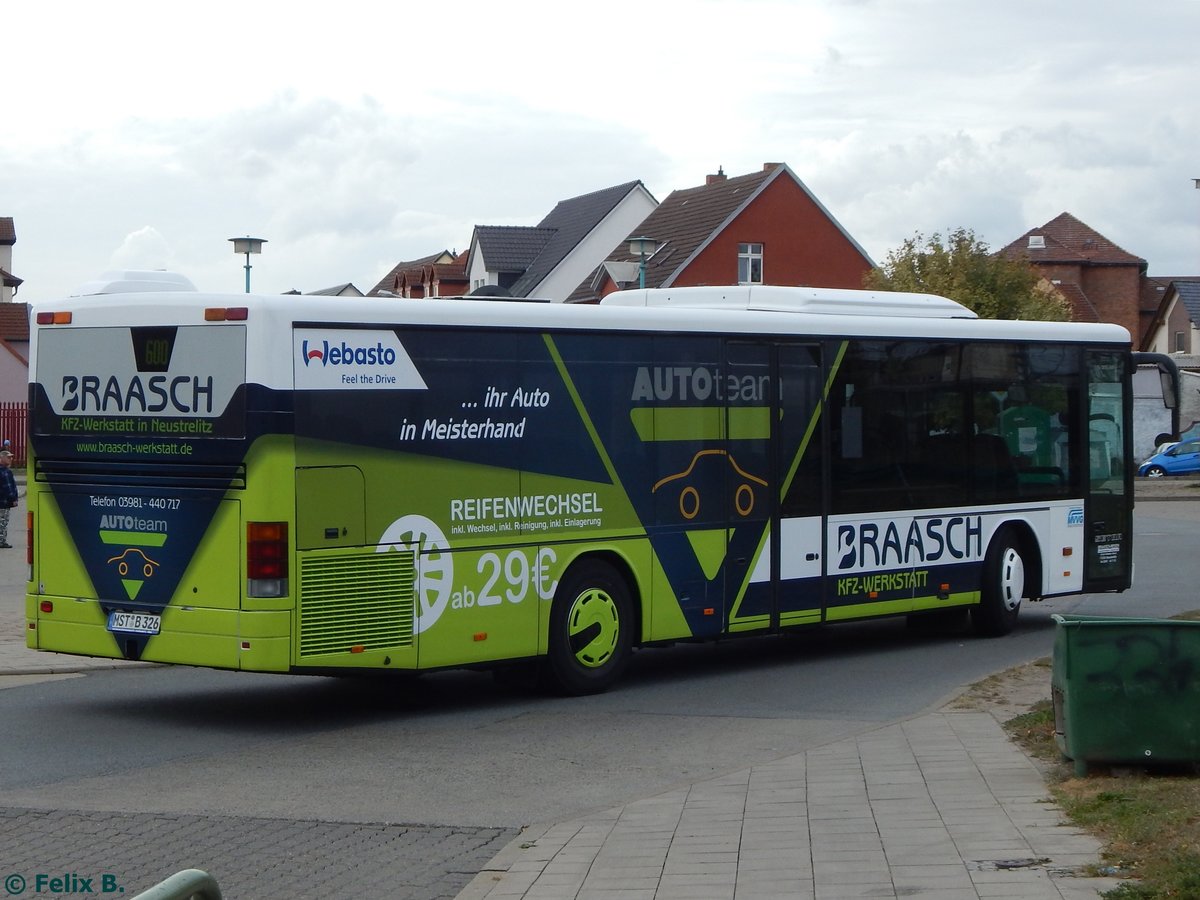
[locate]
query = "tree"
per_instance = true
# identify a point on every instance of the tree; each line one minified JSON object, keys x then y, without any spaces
{"x":994,"y":286}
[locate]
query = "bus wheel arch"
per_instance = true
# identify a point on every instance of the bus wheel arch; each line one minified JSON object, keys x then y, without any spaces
{"x":594,"y":624}
{"x":1012,"y":572}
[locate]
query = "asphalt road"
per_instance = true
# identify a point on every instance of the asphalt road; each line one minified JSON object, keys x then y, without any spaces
{"x":444,"y":768}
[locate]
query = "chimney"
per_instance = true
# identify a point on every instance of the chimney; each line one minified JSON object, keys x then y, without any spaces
{"x":715,"y":179}
{"x":767,"y":167}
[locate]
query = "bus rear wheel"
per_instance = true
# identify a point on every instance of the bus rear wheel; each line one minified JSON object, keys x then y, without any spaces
{"x":1003,"y":586}
{"x":591,"y":630}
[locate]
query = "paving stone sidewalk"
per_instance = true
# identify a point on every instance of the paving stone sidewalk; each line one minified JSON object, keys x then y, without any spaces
{"x":942,"y":807}
{"x":249,"y":857}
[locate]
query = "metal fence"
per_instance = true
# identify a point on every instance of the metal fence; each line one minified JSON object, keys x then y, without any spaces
{"x":14,"y":427}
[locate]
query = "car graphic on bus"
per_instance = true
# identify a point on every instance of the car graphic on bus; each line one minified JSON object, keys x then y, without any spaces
{"x":132,"y":558}
{"x":689,"y":496}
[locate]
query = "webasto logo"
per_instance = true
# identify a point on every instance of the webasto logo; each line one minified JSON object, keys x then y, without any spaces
{"x":343,"y":354}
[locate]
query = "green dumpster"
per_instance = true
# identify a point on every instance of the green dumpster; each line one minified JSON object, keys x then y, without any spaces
{"x":1126,"y":691}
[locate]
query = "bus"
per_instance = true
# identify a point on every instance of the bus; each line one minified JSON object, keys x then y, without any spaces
{"x":302,"y":484}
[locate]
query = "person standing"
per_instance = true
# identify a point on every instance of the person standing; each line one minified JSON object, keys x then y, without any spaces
{"x":8,"y":495}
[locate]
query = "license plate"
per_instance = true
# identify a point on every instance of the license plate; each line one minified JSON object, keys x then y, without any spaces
{"x":138,"y":623}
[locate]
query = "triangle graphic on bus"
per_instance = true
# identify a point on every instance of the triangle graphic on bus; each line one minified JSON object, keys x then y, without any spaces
{"x":132,"y":586}
{"x":709,"y":546}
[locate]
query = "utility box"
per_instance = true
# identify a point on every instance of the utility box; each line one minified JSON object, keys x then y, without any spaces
{"x":1126,"y":691}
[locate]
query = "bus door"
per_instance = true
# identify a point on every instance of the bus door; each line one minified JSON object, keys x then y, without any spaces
{"x":1109,"y":521}
{"x":774,"y":480}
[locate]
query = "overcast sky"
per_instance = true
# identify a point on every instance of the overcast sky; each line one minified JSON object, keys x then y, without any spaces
{"x":354,"y":135}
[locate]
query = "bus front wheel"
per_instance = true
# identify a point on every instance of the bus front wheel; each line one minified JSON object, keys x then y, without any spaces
{"x":1003,"y":586}
{"x":591,"y":630}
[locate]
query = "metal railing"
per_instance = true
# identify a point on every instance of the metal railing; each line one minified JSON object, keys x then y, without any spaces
{"x":14,"y":425}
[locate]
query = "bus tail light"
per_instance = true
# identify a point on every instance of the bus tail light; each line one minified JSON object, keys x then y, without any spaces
{"x":54,"y":318}
{"x":266,"y":559}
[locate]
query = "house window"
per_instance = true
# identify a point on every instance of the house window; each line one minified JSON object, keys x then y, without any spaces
{"x":1180,"y":345}
{"x":750,"y":263}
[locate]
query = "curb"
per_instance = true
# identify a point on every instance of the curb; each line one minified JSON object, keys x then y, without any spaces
{"x":68,"y":669}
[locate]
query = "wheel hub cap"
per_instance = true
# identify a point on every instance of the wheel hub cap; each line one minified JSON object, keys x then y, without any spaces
{"x":1012,"y":579}
{"x":594,"y":627}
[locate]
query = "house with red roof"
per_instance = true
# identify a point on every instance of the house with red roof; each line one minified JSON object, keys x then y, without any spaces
{"x":437,"y":275}
{"x":1100,"y":281}
{"x":766,"y":227}
{"x":1104,"y":283}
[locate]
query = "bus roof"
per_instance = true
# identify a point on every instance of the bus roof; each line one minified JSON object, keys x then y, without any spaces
{"x":821,"y":301}
{"x":132,"y":280}
{"x":731,"y":310}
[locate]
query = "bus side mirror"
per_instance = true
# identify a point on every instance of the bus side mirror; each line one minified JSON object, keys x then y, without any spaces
{"x":1169,"y":394}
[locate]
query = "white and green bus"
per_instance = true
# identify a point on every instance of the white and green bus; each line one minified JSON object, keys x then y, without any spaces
{"x":305,"y":484}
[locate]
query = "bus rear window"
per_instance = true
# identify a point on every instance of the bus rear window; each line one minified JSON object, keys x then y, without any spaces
{"x":143,"y":383}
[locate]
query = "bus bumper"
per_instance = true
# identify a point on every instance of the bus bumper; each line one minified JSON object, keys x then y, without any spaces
{"x":258,"y":641}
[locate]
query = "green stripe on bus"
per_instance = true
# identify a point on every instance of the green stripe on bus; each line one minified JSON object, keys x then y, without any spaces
{"x":876,"y":608}
{"x":133,"y":538}
{"x":701,"y":423}
{"x":588,"y":424}
{"x":966,"y":598}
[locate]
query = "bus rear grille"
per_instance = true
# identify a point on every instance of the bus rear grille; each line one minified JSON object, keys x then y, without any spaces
{"x":359,"y":600}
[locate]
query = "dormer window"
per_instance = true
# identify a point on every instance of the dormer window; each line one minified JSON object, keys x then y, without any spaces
{"x":750,"y":263}
{"x":1037,"y":242}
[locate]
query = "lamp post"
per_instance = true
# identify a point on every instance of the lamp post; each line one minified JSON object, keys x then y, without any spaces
{"x":248,"y":245}
{"x":642,"y":248}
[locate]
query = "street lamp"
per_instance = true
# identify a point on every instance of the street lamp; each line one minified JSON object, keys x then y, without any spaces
{"x":642,"y":247}
{"x":248,"y":245}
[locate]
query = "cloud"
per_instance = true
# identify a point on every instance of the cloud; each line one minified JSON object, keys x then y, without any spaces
{"x":143,"y":249}
{"x":350,"y":155}
{"x":341,"y":191}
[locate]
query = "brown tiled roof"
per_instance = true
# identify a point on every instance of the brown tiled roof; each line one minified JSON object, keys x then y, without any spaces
{"x":682,"y":223}
{"x":9,"y":279}
{"x":14,"y":321}
{"x":450,"y":271}
{"x":1067,"y":240}
{"x":8,"y":231}
{"x":1082,"y":309}
{"x":413,"y":280}
{"x":1154,"y":288}
{"x":388,"y":282}
{"x":689,"y":217}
